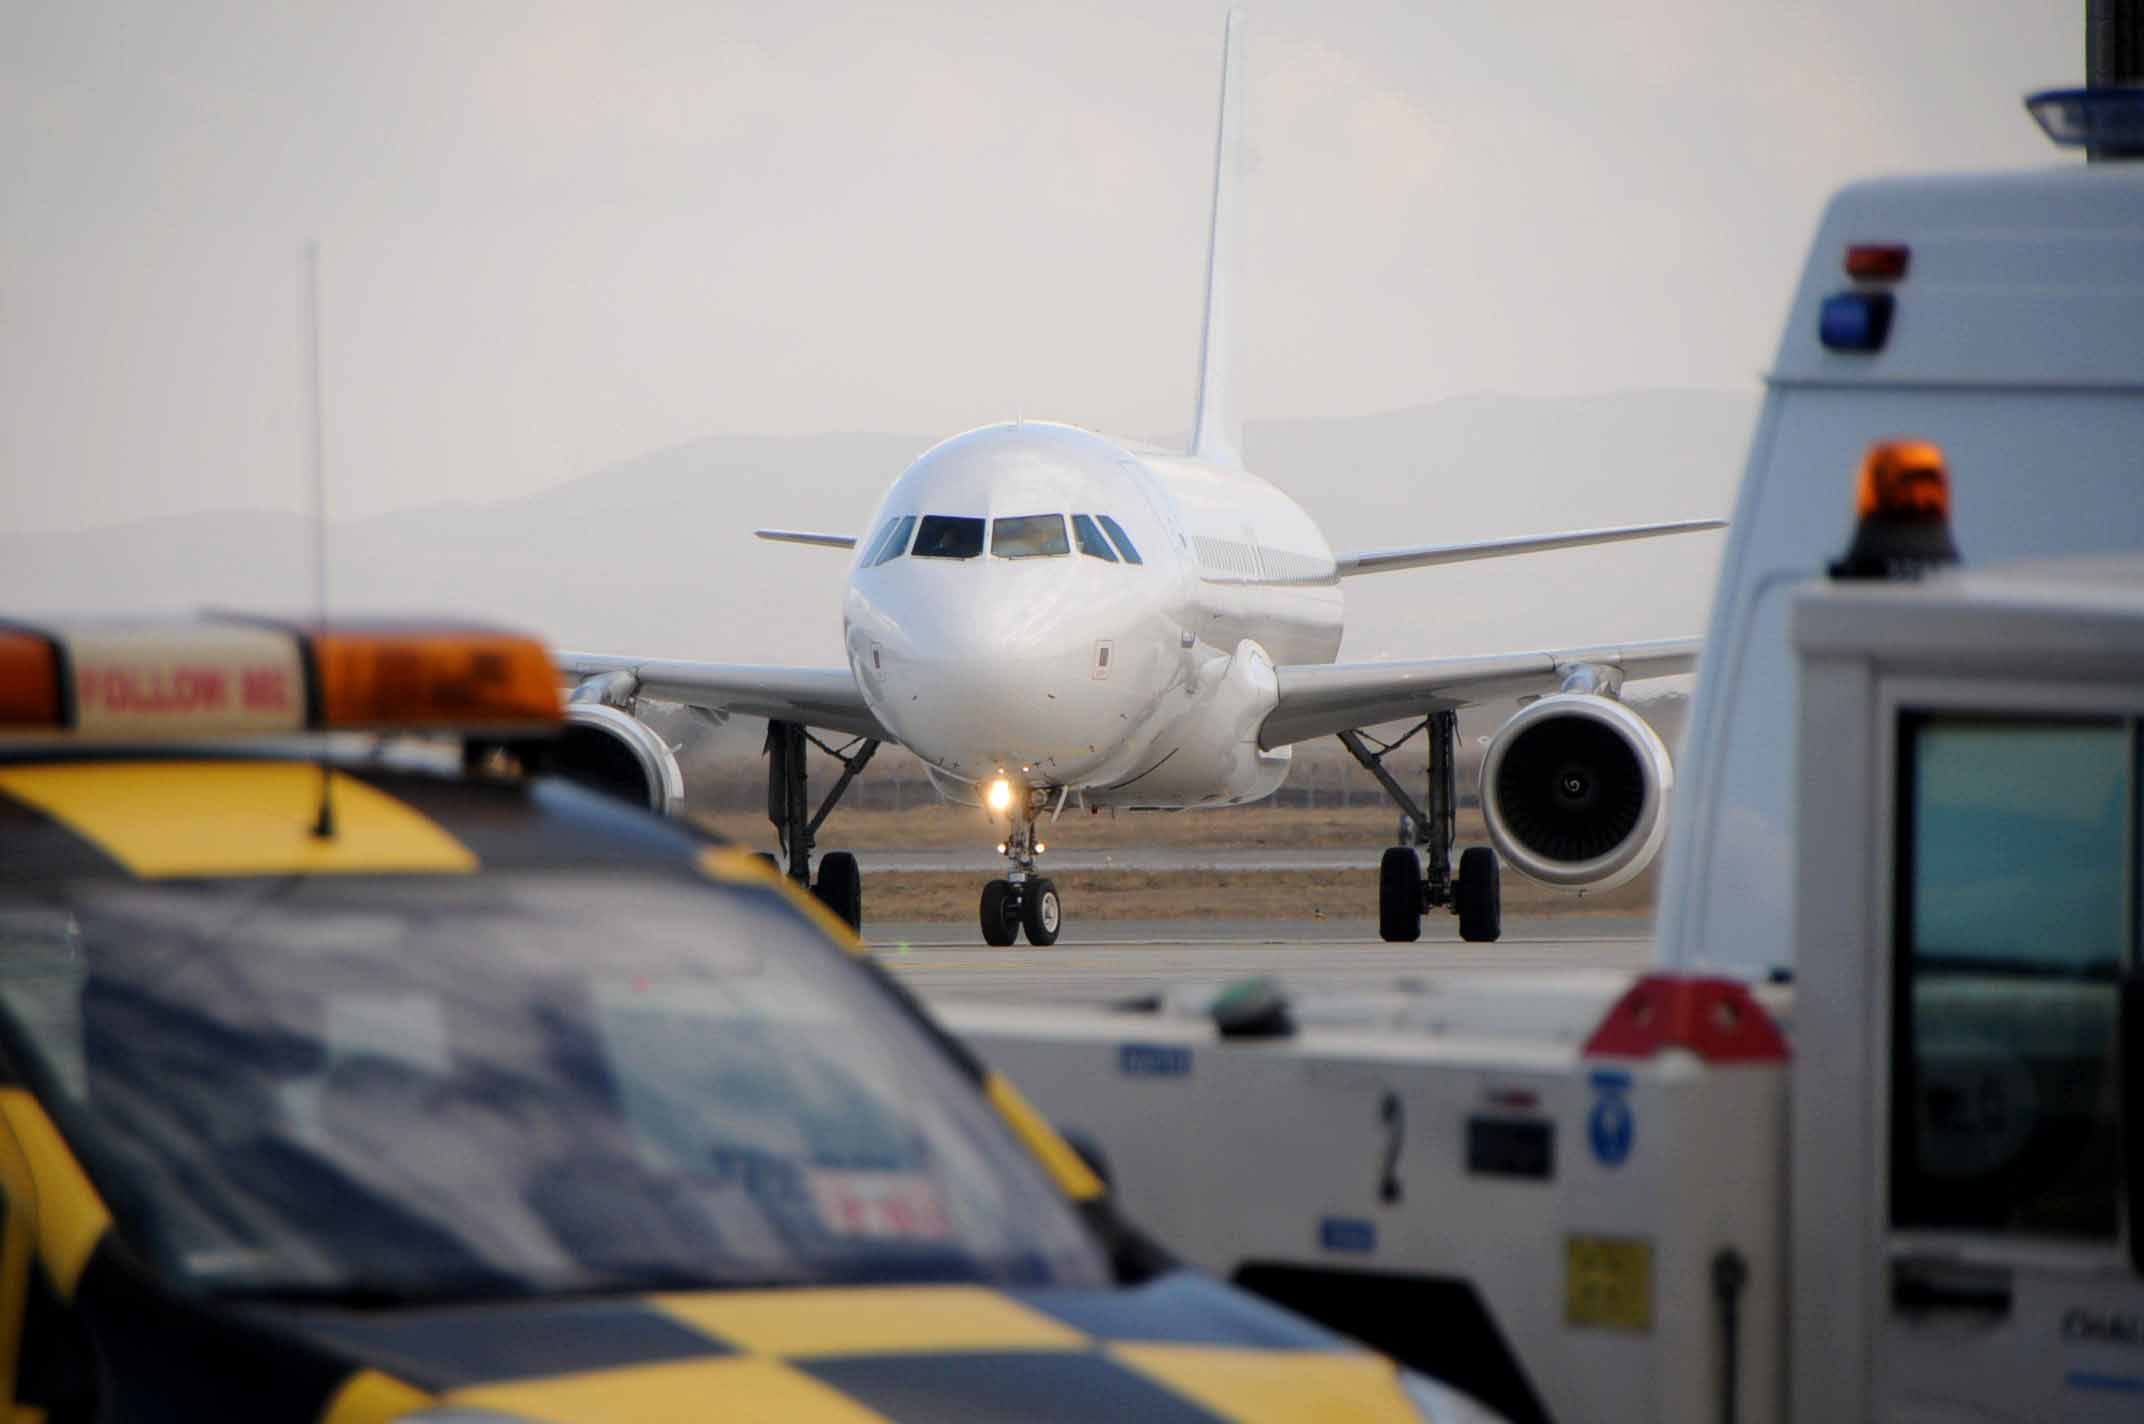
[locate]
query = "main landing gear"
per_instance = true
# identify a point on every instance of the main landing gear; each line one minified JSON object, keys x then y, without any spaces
{"x":1023,"y":900}
{"x":840,"y":887}
{"x":1404,"y":887}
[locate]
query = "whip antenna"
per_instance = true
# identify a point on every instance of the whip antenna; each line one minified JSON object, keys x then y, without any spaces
{"x":316,"y":453}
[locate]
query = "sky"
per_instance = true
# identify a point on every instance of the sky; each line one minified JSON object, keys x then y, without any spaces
{"x":557,"y":236}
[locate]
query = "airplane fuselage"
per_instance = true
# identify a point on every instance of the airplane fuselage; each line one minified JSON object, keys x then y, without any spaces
{"x":1076,"y":612}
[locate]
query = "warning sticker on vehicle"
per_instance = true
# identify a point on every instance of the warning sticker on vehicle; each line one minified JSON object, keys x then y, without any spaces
{"x":882,"y":1206}
{"x":1608,"y":1283}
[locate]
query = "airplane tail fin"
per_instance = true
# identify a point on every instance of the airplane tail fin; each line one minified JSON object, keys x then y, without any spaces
{"x":1217,"y":429}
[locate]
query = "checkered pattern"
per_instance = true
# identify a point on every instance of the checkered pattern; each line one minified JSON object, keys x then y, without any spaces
{"x":1178,"y":1350}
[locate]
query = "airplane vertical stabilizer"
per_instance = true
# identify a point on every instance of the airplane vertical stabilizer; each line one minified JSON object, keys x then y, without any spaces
{"x":1217,"y":430}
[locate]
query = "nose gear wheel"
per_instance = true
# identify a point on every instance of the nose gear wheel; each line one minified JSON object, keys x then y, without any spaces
{"x":1001,"y":914}
{"x":1041,"y":912}
{"x":1024,"y":901}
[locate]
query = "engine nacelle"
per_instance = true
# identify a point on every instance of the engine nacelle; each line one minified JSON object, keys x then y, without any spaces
{"x":610,"y":750}
{"x":1575,"y":791}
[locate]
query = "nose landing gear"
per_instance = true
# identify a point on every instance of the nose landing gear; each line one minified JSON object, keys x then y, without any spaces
{"x":1405,"y":888}
{"x":1023,"y":900}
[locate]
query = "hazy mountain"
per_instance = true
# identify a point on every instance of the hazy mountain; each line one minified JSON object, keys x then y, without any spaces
{"x":655,"y":554}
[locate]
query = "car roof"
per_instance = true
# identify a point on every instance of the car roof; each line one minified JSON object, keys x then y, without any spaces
{"x":165,"y":813}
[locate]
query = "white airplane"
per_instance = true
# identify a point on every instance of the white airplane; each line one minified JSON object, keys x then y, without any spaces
{"x":1048,"y":616}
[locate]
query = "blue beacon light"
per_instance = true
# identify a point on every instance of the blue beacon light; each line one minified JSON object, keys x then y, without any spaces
{"x":1855,"y":321}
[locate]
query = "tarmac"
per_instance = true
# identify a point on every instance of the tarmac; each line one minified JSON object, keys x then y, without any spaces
{"x":982,"y":860}
{"x":1101,"y":962}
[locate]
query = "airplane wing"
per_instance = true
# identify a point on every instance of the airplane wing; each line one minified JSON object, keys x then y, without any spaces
{"x":799,"y":536}
{"x":1378,"y":561}
{"x":1322,"y":699}
{"x":817,"y":697}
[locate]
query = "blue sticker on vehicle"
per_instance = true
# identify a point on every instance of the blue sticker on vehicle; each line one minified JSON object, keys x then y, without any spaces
{"x":1153,"y":1060}
{"x":1347,"y":1233}
{"x":1611,"y":1127}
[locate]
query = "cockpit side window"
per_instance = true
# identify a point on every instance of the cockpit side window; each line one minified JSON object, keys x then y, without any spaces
{"x":1091,"y":542}
{"x":946,"y":536}
{"x":878,"y":545}
{"x":1029,"y":536}
{"x":1124,"y":540}
{"x":896,"y":542}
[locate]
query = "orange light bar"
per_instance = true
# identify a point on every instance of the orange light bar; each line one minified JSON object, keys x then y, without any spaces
{"x":1878,"y":261}
{"x":1903,"y":479}
{"x":418,"y":678}
{"x":29,"y":681}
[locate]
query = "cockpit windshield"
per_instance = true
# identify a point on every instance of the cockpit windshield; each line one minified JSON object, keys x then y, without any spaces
{"x":1124,"y":540}
{"x":1030,"y":536}
{"x":945,"y":536}
{"x":1023,"y":536}
{"x":1091,"y":542}
{"x":894,"y":542}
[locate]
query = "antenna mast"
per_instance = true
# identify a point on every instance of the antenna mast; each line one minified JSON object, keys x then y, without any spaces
{"x":316,"y":453}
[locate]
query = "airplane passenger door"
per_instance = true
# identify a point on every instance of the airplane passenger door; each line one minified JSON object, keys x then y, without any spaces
{"x":2012,"y":1285}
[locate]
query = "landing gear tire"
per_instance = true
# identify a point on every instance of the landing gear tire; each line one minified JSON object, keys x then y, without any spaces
{"x":841,"y":887}
{"x":1001,"y":920}
{"x":1480,"y":896}
{"x":1041,"y":913}
{"x":1399,"y":895}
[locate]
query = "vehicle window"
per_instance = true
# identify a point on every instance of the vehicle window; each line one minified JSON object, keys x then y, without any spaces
{"x":2014,"y":918}
{"x":1091,"y":542}
{"x":878,"y":545}
{"x":502,"y":1084}
{"x":944,"y":536}
{"x":1124,"y":540}
{"x":897,"y":544}
{"x":1029,"y":536}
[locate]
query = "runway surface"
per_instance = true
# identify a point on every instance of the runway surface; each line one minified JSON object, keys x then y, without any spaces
{"x":1101,"y":962}
{"x":982,"y":860}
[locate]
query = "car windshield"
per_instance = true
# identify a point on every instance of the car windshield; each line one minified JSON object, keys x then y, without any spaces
{"x":945,"y":536}
{"x":502,"y":1084}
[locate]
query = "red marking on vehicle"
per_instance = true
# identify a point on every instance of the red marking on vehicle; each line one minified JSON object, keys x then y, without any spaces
{"x":1514,"y":1099}
{"x":264,"y":689}
{"x":180,"y":689}
{"x":1716,"y":1019}
{"x":886,"y":1206}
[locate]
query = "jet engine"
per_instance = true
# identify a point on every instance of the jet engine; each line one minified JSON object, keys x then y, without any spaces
{"x":612,"y":751}
{"x":1575,"y":789}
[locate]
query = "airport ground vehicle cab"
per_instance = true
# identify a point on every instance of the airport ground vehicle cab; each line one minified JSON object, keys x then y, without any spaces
{"x":349,"y":1078}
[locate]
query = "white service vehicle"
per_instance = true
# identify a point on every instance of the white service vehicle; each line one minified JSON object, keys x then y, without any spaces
{"x":1870,"y":1142}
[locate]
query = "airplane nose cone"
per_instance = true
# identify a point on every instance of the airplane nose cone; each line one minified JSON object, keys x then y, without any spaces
{"x":973,"y":682}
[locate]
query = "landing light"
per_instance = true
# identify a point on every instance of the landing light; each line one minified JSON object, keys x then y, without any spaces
{"x":999,"y":794}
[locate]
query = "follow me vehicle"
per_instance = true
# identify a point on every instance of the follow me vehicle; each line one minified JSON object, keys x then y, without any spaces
{"x":351,"y":1079}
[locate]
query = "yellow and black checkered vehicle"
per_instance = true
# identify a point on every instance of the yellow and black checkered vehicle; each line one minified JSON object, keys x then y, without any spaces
{"x":338,"y":1082}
